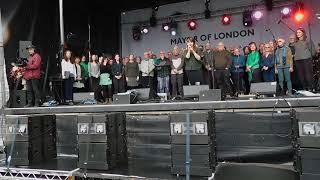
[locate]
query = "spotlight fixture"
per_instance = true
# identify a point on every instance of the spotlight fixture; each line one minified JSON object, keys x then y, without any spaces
{"x":318,"y":16}
{"x":299,"y":13}
{"x":207,"y":12}
{"x":136,"y":33}
{"x":299,"y":16}
{"x":226,"y":19}
{"x":285,"y":11}
{"x":144,"y":30}
{"x":166,"y":27}
{"x":173,"y":28}
{"x":257,"y":15}
{"x":192,"y":24}
{"x":247,"y":18}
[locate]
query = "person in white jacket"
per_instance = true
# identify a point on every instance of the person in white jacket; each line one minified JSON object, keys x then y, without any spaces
{"x":68,"y":75}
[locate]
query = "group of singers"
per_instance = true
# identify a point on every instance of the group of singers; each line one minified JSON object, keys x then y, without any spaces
{"x":227,"y":69}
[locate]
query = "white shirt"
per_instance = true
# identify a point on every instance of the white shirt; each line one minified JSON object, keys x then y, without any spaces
{"x":67,"y":66}
{"x":176,"y":63}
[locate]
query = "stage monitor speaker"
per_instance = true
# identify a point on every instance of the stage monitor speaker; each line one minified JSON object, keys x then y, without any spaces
{"x":19,"y":99}
{"x":264,"y":88}
{"x":23,"y":52}
{"x":142,"y":93}
{"x":210,"y":95}
{"x":124,"y":98}
{"x":79,"y":97}
{"x":194,"y":90}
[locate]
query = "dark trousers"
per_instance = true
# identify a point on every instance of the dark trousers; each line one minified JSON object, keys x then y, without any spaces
{"x":237,"y":78}
{"x":149,"y":82}
{"x":222,"y":79}
{"x":107,"y":91}
{"x":33,"y":92}
{"x":305,"y":73}
{"x":95,"y":88}
{"x":210,"y":79}
{"x":256,"y":76}
{"x":194,"y":76}
{"x":118,"y":85}
{"x":68,"y":89}
{"x":177,"y":84}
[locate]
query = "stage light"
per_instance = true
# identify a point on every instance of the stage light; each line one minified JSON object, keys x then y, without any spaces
{"x":318,"y":16}
{"x":173,"y":28}
{"x":226,"y":19}
{"x":192,"y":24}
{"x":144,"y":30}
{"x":309,"y":129}
{"x":165,"y":27}
{"x":299,"y":16}
{"x":136,"y":33}
{"x":247,"y":18}
{"x":285,"y":11}
{"x":257,"y":15}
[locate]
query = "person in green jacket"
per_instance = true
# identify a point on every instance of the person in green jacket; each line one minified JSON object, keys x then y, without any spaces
{"x":84,"y":65}
{"x":252,"y":64}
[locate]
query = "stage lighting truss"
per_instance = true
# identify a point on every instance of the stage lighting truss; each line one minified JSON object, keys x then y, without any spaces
{"x":309,"y":129}
{"x":196,"y":128}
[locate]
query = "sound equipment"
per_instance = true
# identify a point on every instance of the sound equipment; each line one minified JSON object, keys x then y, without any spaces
{"x":124,"y":98}
{"x":142,"y":93}
{"x":253,"y":171}
{"x":66,"y":135}
{"x":264,"y":88}
{"x":19,"y":99}
{"x":29,"y":139}
{"x":194,"y":90}
{"x":79,"y":97}
{"x":23,"y":52}
{"x":99,"y":136}
{"x":306,"y":142}
{"x":202,"y":142}
{"x":210,"y":95}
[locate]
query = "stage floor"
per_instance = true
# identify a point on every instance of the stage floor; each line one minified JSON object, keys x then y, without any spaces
{"x":172,"y":106}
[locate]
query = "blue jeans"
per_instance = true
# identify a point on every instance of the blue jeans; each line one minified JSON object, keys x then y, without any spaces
{"x":163,"y":84}
{"x":284,"y":74}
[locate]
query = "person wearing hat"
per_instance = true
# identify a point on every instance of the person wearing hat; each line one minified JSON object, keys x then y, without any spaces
{"x":32,"y":76}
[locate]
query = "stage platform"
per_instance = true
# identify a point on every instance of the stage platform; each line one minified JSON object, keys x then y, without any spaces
{"x":171,"y":106}
{"x":255,"y":130}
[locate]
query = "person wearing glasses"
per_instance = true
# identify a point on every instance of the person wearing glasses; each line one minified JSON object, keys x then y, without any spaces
{"x":284,"y":65}
{"x":267,"y":64}
{"x":162,"y":66}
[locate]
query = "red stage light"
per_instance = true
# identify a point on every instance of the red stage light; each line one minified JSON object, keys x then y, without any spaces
{"x":299,"y":16}
{"x":192,"y":24}
{"x":226,"y":19}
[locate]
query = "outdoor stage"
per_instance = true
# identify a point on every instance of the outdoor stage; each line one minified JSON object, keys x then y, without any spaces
{"x":255,"y":130}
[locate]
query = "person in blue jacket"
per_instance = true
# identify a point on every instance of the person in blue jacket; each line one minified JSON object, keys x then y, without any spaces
{"x":267,"y":64}
{"x":237,"y":71}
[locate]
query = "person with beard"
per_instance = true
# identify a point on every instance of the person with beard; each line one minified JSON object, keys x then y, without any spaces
{"x":284,"y":65}
{"x":177,"y":64}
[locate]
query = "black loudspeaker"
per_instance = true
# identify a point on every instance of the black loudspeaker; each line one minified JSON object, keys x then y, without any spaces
{"x":127,"y":98}
{"x":264,"y":88}
{"x":202,"y":142}
{"x":194,"y":90}
{"x":29,"y":139}
{"x":210,"y":95}
{"x":248,"y":171}
{"x":66,"y":135}
{"x":142,"y":93}
{"x":306,"y":142}
{"x":19,"y":99}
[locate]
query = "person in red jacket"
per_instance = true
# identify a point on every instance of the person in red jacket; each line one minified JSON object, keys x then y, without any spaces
{"x":32,"y":76}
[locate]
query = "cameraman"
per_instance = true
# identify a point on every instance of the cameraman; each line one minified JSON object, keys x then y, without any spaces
{"x":32,"y":76}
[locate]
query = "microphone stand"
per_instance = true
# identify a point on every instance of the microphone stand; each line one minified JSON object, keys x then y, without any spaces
{"x":280,"y":21}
